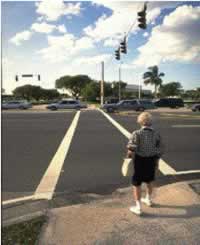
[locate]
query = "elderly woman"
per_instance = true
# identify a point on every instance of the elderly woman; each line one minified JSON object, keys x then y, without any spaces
{"x":147,"y":145}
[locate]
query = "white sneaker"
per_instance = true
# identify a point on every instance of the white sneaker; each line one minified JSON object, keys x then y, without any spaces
{"x":147,"y":201}
{"x":135,"y":210}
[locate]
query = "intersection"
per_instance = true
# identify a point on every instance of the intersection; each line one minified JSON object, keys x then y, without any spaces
{"x":96,"y":150}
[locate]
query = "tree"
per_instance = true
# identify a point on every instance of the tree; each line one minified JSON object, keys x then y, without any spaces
{"x":115,"y":88}
{"x":29,"y":92}
{"x":25,"y":92}
{"x":153,"y":77}
{"x":171,"y":89}
{"x":192,"y":94}
{"x":3,"y":90}
{"x":91,"y":91}
{"x":50,"y":94}
{"x":74,"y":83}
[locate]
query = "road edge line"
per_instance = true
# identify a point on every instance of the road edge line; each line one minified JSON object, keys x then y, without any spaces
{"x":46,"y":187}
{"x":163,"y":166}
{"x":16,"y":200}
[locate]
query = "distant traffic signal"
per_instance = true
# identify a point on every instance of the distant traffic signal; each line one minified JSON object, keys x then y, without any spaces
{"x":117,"y":54}
{"x":123,"y":46}
{"x":38,"y":77}
{"x":142,"y":18}
{"x":16,"y":78}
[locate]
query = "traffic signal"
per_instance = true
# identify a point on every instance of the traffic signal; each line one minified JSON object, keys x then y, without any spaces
{"x":16,"y":78}
{"x":123,"y":46}
{"x":117,"y":54}
{"x":38,"y":77}
{"x":142,"y":18}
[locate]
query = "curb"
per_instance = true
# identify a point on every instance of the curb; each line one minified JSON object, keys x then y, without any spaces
{"x":24,"y":218}
{"x":41,"y":207}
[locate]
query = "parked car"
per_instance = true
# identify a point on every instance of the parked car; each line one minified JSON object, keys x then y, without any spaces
{"x":22,"y":105}
{"x":196,"y":107}
{"x":169,"y":102}
{"x":66,"y":104}
{"x":126,"y":105}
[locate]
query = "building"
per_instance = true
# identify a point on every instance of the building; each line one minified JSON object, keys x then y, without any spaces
{"x":135,"y":88}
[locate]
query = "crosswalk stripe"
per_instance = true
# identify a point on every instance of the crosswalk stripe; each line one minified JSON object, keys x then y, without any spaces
{"x":48,"y":183}
{"x":163,"y":166}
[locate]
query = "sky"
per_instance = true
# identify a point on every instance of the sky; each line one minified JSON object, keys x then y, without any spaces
{"x":55,"y":38}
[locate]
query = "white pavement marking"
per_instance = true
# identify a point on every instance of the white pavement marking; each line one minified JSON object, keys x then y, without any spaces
{"x":188,"y":172}
{"x":163,"y":166}
{"x":15,"y":200}
{"x":186,"y":126}
{"x":116,"y":124}
{"x":48,"y":183}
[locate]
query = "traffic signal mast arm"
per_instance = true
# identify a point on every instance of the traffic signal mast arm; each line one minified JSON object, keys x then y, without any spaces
{"x":142,"y":24}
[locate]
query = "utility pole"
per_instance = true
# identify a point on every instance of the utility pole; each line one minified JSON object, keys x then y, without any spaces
{"x":139,"y":89}
{"x":120,"y":81}
{"x":102,"y":83}
{"x":1,"y":58}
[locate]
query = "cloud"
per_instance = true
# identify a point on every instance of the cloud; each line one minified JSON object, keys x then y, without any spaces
{"x":146,"y":34}
{"x":62,"y":29}
{"x":62,"y":48}
{"x":43,"y":27}
{"x":111,"y":42}
{"x":87,"y":60}
{"x":124,"y":14}
{"x":20,"y":37}
{"x":47,"y":28}
{"x":36,"y":27}
{"x":52,"y":10}
{"x":177,"y":39}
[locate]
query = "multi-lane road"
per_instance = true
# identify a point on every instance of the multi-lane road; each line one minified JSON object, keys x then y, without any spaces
{"x":56,"y":152}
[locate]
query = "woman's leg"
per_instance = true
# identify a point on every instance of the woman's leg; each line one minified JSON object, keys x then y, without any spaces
{"x":137,"y":193}
{"x":149,"y":190}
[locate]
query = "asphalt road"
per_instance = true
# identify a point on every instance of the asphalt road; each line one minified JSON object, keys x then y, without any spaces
{"x":95,"y":157}
{"x":30,"y":140}
{"x":180,"y":135}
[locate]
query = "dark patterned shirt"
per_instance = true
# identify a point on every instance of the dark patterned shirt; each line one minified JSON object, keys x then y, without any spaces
{"x":146,"y":142}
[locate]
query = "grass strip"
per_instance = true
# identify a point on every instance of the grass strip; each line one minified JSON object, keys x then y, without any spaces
{"x":25,"y":233}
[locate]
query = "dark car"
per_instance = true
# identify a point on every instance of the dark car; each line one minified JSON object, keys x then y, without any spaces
{"x":127,"y":105}
{"x":196,"y":107}
{"x":169,"y":102}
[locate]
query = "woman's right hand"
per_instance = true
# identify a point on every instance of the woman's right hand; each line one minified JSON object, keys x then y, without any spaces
{"x":129,"y":154}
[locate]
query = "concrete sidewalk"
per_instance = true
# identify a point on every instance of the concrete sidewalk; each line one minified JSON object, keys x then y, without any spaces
{"x":174,"y":220}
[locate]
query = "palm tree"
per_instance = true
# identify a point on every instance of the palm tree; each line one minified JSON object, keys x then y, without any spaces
{"x":153,"y":77}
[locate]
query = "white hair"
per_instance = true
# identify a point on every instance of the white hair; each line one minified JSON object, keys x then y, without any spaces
{"x":145,"y":119}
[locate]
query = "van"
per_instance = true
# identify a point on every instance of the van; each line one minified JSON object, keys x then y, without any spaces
{"x":169,"y":102}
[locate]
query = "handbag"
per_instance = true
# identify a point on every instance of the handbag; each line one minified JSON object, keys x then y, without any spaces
{"x":127,"y":167}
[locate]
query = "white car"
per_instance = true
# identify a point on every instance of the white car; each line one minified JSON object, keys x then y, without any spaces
{"x":22,"y":105}
{"x":66,"y":104}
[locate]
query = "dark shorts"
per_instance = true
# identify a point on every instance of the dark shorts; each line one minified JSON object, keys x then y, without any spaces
{"x":144,"y":169}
